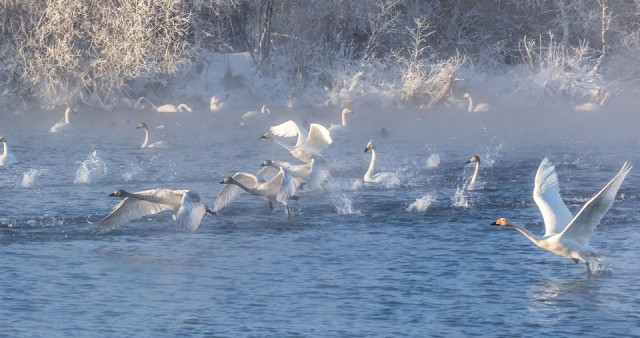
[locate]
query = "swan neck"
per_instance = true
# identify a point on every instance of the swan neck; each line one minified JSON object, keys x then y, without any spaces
{"x":281,"y":144}
{"x":367,"y":175}
{"x":146,"y":138}
{"x":6,"y":150}
{"x":66,"y":115}
{"x":475,"y":173}
{"x":470,"y":109}
{"x":243,"y":187}
{"x":151,"y":199}
{"x":527,"y":234}
{"x":344,"y":118}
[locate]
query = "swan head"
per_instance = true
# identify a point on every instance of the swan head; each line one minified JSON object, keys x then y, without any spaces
{"x":266,"y":135}
{"x":369,"y":146}
{"x":267,"y":163}
{"x":2,"y":139}
{"x":227,"y":180}
{"x":466,"y":95}
{"x":503,"y":222}
{"x":118,"y":193}
{"x":142,"y":125}
{"x":347,"y":111}
{"x":474,"y":158}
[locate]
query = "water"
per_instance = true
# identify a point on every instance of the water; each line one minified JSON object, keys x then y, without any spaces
{"x":418,"y":259}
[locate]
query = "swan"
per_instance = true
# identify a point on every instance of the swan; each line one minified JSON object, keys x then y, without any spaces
{"x":187,"y":204}
{"x":475,"y":159}
{"x":145,"y":144}
{"x":566,"y":235}
{"x":6,"y":158}
{"x":280,"y":188}
{"x":264,"y":112}
{"x":64,"y":125}
{"x":591,"y":106}
{"x":312,"y":174}
{"x":169,"y":108}
{"x":481,"y":107}
{"x":385,"y":177}
{"x":310,"y":143}
{"x":343,"y":126}
{"x":216,"y":103}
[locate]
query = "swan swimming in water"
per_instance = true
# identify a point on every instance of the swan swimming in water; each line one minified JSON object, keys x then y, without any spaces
{"x":145,"y":144}
{"x":169,"y":108}
{"x":187,"y":204}
{"x":310,"y":143}
{"x":476,"y":159}
{"x":64,"y":125}
{"x":216,"y":103}
{"x":253,"y":116}
{"x":279,"y":189}
{"x":312,"y":174}
{"x":6,"y":158}
{"x":566,"y":235}
{"x":384,"y":177}
{"x":343,"y":125}
{"x":480,"y":107}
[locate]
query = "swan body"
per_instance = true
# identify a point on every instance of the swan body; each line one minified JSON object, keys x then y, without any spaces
{"x":593,"y":106}
{"x":279,"y":189}
{"x":480,"y":107}
{"x":384,"y":177}
{"x":216,"y":103}
{"x":568,"y":235}
{"x":310,"y":143}
{"x":264,"y":112}
{"x":187,"y":204}
{"x":145,"y":143}
{"x":312,"y":174}
{"x":6,"y":158}
{"x":64,"y":125}
{"x":343,"y":125}
{"x":476,"y":160}
{"x":169,"y":108}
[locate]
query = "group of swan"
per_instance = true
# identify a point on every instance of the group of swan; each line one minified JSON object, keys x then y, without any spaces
{"x":568,"y":235}
{"x":6,"y":158}
{"x":310,"y":143}
{"x":313,"y":174}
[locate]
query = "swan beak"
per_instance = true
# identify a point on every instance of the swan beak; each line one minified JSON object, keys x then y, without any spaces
{"x":498,"y":222}
{"x":366,"y":149}
{"x":112,"y":194}
{"x":209,"y":211}
{"x":265,"y":135}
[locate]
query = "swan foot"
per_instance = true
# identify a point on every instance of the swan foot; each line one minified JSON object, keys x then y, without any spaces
{"x":270,"y":206}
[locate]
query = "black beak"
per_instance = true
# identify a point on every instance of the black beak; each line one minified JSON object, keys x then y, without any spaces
{"x":112,"y":194}
{"x":209,"y":211}
{"x":494,"y":223}
{"x":221,"y":182}
{"x":365,"y":149}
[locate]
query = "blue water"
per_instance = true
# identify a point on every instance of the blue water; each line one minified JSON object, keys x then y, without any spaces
{"x":418,"y":259}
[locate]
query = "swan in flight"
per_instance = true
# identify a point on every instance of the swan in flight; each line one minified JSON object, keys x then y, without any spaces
{"x":279,"y":189}
{"x":145,"y":144}
{"x":6,"y":158}
{"x":566,"y":235}
{"x":187,"y":204}
{"x":312,"y":174}
{"x":385,"y":177}
{"x":343,"y":126}
{"x":480,"y":107}
{"x":64,"y":125}
{"x":310,"y":143}
{"x":475,"y":159}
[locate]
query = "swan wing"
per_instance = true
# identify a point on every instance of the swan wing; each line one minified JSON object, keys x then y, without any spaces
{"x":230,"y":191}
{"x":317,"y":175}
{"x":290,"y":129}
{"x":268,"y":172}
{"x":546,"y":194}
{"x":589,"y":216}
{"x":318,"y":140}
{"x":287,"y":185}
{"x":132,"y":208}
{"x":190,"y":213}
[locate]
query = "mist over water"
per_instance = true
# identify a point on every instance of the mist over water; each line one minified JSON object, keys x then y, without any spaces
{"x":418,"y":258}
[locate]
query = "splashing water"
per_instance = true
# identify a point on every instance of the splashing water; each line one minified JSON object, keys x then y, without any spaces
{"x":132,"y":170}
{"x":90,"y":169}
{"x":433,"y":161}
{"x":345,"y":207}
{"x":28,"y":178}
{"x":460,"y":200}
{"x":421,"y":204}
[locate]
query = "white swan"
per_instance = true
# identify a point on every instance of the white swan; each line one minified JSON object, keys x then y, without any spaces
{"x":591,"y":106}
{"x":187,"y":204}
{"x":475,"y":159}
{"x":384,"y":177}
{"x":145,"y":144}
{"x":311,"y":174}
{"x":310,"y":143}
{"x":343,"y":126}
{"x":64,"y":125}
{"x":169,"y":108}
{"x":216,"y":103}
{"x":481,"y":107}
{"x":566,"y":235}
{"x":6,"y":158}
{"x":264,"y":112}
{"x":279,"y":189}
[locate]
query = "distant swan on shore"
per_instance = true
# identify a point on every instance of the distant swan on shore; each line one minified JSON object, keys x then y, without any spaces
{"x":383,"y":177}
{"x":145,"y":144}
{"x":566,"y":235}
{"x":480,"y":107}
{"x":187,"y":204}
{"x":6,"y":158}
{"x":64,"y":125}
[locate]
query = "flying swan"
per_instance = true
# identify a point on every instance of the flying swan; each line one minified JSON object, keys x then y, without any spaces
{"x":385,"y":177}
{"x":6,"y":158}
{"x":279,"y":189}
{"x":145,"y":144}
{"x":64,"y":125}
{"x":343,"y":126}
{"x":310,"y":143}
{"x":566,"y":235}
{"x":310,"y":174}
{"x":187,"y":204}
{"x":480,"y":107}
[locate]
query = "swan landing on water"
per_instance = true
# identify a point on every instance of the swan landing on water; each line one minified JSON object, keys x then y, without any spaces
{"x":310,"y":143}
{"x":187,"y":204}
{"x":6,"y":158}
{"x":566,"y":235}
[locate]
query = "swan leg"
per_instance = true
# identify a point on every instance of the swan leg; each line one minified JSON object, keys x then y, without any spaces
{"x":270,"y":206}
{"x":588,"y":268}
{"x":288,"y":210}
{"x":575,"y":260}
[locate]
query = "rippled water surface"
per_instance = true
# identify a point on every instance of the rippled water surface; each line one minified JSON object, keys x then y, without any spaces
{"x":414,"y":259}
